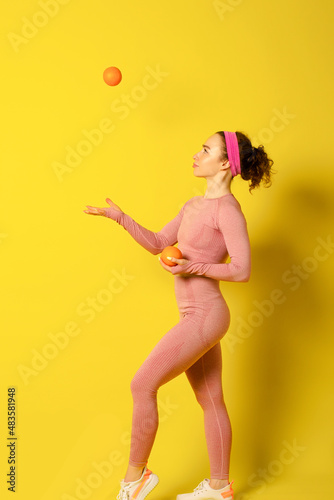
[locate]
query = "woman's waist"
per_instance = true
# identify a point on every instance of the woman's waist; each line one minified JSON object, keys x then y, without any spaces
{"x":198,"y":280}
{"x":194,"y":288}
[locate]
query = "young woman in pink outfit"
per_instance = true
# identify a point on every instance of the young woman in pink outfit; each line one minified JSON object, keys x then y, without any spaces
{"x":208,"y":229}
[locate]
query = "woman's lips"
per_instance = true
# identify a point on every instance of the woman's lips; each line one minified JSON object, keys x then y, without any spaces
{"x":194,"y":165}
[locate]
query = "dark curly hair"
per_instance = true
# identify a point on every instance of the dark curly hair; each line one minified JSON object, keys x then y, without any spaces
{"x":254,"y":162}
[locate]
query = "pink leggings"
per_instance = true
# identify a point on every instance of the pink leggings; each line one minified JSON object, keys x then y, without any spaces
{"x":191,"y":346}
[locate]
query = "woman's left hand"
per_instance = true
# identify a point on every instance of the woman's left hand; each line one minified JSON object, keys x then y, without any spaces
{"x":175,"y":269}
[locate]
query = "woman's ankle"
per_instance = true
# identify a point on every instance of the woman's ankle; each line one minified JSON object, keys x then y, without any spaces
{"x":133,"y":473}
{"x":218,"y":484}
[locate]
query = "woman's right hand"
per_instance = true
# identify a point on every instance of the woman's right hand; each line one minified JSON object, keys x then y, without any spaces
{"x":102,"y":211}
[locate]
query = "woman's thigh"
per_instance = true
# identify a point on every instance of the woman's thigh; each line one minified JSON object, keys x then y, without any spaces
{"x":205,"y":375}
{"x":180,"y":348}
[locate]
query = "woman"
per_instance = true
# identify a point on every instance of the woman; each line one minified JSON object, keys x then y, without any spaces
{"x":208,"y":229}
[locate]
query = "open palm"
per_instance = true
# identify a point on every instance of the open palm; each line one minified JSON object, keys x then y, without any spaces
{"x":101,"y":211}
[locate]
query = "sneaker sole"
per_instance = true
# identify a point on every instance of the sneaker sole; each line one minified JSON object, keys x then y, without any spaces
{"x":179,"y":497}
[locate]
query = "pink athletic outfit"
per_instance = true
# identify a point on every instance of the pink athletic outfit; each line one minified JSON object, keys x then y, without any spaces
{"x":207,"y":230}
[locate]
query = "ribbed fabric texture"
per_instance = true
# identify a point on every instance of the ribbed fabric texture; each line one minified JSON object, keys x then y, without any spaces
{"x":207,"y":232}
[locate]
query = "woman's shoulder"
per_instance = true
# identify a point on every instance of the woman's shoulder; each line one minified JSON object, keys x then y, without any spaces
{"x":229,"y":207}
{"x":229,"y":200}
{"x":189,"y":202}
{"x":192,"y":200}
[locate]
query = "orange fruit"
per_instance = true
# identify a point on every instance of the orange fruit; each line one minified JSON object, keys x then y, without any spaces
{"x":112,"y":76}
{"x":170,"y":251}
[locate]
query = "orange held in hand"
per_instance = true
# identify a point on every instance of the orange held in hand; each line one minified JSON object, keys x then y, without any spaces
{"x":112,"y":76}
{"x":170,"y":252}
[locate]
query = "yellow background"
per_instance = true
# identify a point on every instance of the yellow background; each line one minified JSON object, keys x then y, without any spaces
{"x":260,"y":67}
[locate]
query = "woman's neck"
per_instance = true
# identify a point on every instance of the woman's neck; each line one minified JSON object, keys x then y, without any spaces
{"x":215,"y":191}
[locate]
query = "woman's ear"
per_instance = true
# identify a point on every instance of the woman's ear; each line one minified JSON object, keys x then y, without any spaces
{"x":225,"y":165}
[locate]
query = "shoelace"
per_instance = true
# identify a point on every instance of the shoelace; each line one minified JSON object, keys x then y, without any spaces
{"x":200,"y":487}
{"x":124,"y":493}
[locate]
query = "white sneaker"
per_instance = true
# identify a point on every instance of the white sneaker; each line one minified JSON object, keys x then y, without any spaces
{"x":138,"y":490}
{"x":204,"y":492}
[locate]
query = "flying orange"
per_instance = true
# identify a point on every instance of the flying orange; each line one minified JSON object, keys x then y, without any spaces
{"x":112,"y":76}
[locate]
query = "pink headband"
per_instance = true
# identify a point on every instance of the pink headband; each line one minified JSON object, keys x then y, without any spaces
{"x":233,"y":152}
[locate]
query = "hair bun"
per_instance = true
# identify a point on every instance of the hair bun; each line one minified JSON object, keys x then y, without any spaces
{"x":255,"y":163}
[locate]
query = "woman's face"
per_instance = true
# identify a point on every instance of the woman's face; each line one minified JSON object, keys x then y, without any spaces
{"x":207,"y":161}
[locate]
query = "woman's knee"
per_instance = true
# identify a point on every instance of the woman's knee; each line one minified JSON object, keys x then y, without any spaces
{"x":208,"y":398}
{"x":135,"y":384}
{"x":141,"y":385}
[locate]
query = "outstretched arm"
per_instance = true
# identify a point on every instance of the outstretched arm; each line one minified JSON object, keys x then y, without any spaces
{"x":152,"y":241}
{"x":233,"y":225}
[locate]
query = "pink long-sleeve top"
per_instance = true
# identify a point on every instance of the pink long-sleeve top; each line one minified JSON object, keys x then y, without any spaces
{"x":207,"y":231}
